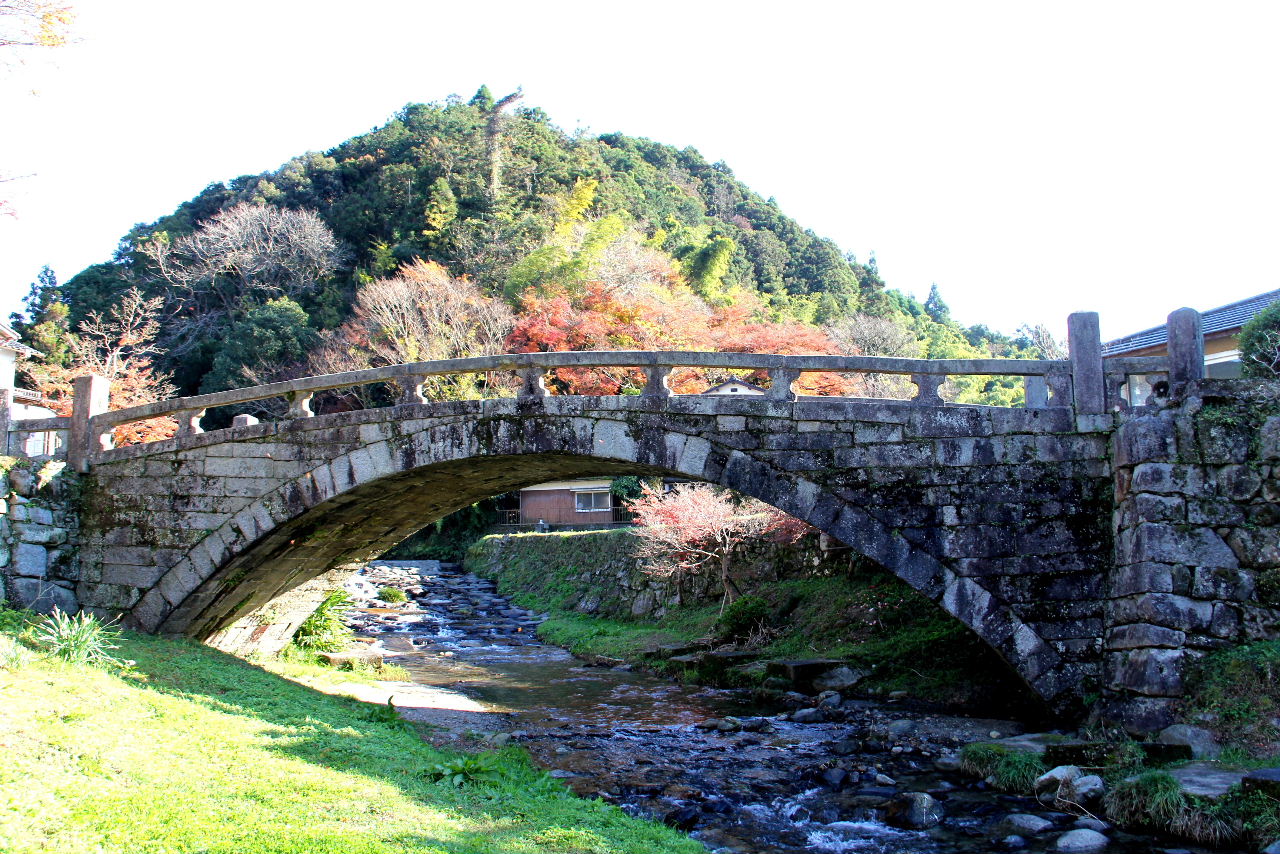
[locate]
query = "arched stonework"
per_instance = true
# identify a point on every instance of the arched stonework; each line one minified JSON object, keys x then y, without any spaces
{"x":1001,"y":516}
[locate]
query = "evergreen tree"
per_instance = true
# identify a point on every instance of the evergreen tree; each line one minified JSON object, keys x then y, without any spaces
{"x":935,"y":307}
{"x":442,"y":207}
{"x":270,"y":337}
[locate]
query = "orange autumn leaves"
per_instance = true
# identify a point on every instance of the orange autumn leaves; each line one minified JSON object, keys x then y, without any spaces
{"x":660,"y":317}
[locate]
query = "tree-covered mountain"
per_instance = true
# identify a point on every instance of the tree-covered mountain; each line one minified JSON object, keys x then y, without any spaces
{"x":256,"y":272}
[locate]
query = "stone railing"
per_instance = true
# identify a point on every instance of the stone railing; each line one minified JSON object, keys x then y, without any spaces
{"x":1085,"y":382}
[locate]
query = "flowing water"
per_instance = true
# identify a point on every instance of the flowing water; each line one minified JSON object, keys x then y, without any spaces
{"x":738,"y":777}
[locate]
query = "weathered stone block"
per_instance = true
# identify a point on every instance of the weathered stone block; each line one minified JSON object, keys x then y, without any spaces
{"x":30,"y":560}
{"x":1269,"y":439}
{"x":1215,"y":513}
{"x":1226,"y":620}
{"x":1223,"y":443}
{"x":1144,"y":577}
{"x":1162,"y":609}
{"x":42,"y":596}
{"x":1139,"y":635}
{"x":1158,"y":541}
{"x":1235,"y":585}
{"x":46,"y":535}
{"x":1256,"y":548}
{"x":1150,"y":672}
{"x":1167,"y":479}
{"x":1148,"y":438}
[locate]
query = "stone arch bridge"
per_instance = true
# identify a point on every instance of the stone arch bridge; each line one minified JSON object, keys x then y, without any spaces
{"x":1005,"y":517}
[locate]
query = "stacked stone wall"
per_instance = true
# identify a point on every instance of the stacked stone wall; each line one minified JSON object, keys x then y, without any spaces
{"x":598,"y":572}
{"x":39,"y":528}
{"x":1197,"y":556}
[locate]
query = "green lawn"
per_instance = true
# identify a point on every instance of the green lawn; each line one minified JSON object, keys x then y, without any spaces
{"x":191,"y":750}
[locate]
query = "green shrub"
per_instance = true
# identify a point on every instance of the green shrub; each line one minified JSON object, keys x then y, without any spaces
{"x":82,"y":639}
{"x":324,"y":630}
{"x":1260,"y":344}
{"x":1241,"y":687}
{"x":1151,"y":799}
{"x":742,"y":617}
{"x":393,"y":595}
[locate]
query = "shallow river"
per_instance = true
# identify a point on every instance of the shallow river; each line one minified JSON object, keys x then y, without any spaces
{"x":757,"y":784}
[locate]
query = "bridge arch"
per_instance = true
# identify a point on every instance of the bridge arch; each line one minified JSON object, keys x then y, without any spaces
{"x":267,"y":507}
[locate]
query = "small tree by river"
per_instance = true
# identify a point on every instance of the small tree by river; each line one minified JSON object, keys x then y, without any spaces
{"x":696,"y":528}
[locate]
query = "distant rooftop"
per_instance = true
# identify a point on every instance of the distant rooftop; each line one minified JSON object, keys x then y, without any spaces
{"x":1220,"y":319}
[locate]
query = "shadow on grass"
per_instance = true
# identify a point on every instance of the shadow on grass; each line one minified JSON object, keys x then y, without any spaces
{"x":346,"y":735}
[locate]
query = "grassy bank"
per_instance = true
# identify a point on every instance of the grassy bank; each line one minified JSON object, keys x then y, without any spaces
{"x":191,"y":750}
{"x":867,"y":617}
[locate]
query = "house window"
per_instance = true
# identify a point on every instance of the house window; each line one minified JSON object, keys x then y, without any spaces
{"x":589,"y":502}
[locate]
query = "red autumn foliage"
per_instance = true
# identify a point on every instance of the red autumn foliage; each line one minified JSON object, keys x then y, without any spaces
{"x":697,"y":527}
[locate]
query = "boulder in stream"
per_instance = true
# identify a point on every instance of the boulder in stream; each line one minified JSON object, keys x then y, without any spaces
{"x":1082,"y":840}
{"x":917,"y":811}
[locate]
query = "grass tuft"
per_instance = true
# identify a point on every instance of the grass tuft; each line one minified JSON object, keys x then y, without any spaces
{"x":79,"y":639}
{"x":1010,"y":770}
{"x":1150,"y":799}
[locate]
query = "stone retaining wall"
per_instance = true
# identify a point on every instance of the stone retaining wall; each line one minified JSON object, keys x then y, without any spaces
{"x":1197,"y":557}
{"x":597,"y":572}
{"x":39,"y":529}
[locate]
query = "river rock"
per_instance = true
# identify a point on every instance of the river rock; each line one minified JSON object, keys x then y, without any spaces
{"x":1013,"y":843}
{"x":920,"y":811}
{"x":1082,"y":840}
{"x":829,"y":700}
{"x":835,"y":777}
{"x":948,"y":762}
{"x":1083,"y":790}
{"x":1054,"y":778}
{"x":683,"y":818}
{"x":839,"y":679}
{"x":1202,"y":743}
{"x":901,"y":728}
{"x":1206,"y":779}
{"x":1023,"y":824}
{"x":808,"y":716}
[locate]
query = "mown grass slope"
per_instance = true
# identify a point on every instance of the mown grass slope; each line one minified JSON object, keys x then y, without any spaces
{"x":191,"y":750}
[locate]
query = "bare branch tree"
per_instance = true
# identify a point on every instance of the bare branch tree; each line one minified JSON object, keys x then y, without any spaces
{"x":866,"y":335}
{"x":1042,"y":339}
{"x":420,"y":315}
{"x":243,"y":255}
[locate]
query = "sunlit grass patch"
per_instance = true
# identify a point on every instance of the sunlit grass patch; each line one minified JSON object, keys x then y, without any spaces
{"x":195,"y":751}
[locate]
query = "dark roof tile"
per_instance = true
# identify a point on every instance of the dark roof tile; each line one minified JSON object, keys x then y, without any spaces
{"x":1220,"y":319}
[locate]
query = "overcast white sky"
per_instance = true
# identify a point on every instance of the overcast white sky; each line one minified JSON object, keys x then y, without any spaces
{"x":1032,"y":159}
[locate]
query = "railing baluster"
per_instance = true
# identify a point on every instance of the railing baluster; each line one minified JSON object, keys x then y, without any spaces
{"x":927,"y":386}
{"x":299,"y":404}
{"x":189,"y":422}
{"x":780,"y":380}
{"x":657,"y":385}
{"x":1059,"y":383}
{"x":533,"y":384}
{"x":1035,"y":392}
{"x":1115,"y":381}
{"x":412,"y":391}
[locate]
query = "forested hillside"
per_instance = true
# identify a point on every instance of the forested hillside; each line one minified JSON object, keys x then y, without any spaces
{"x":470,"y":227}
